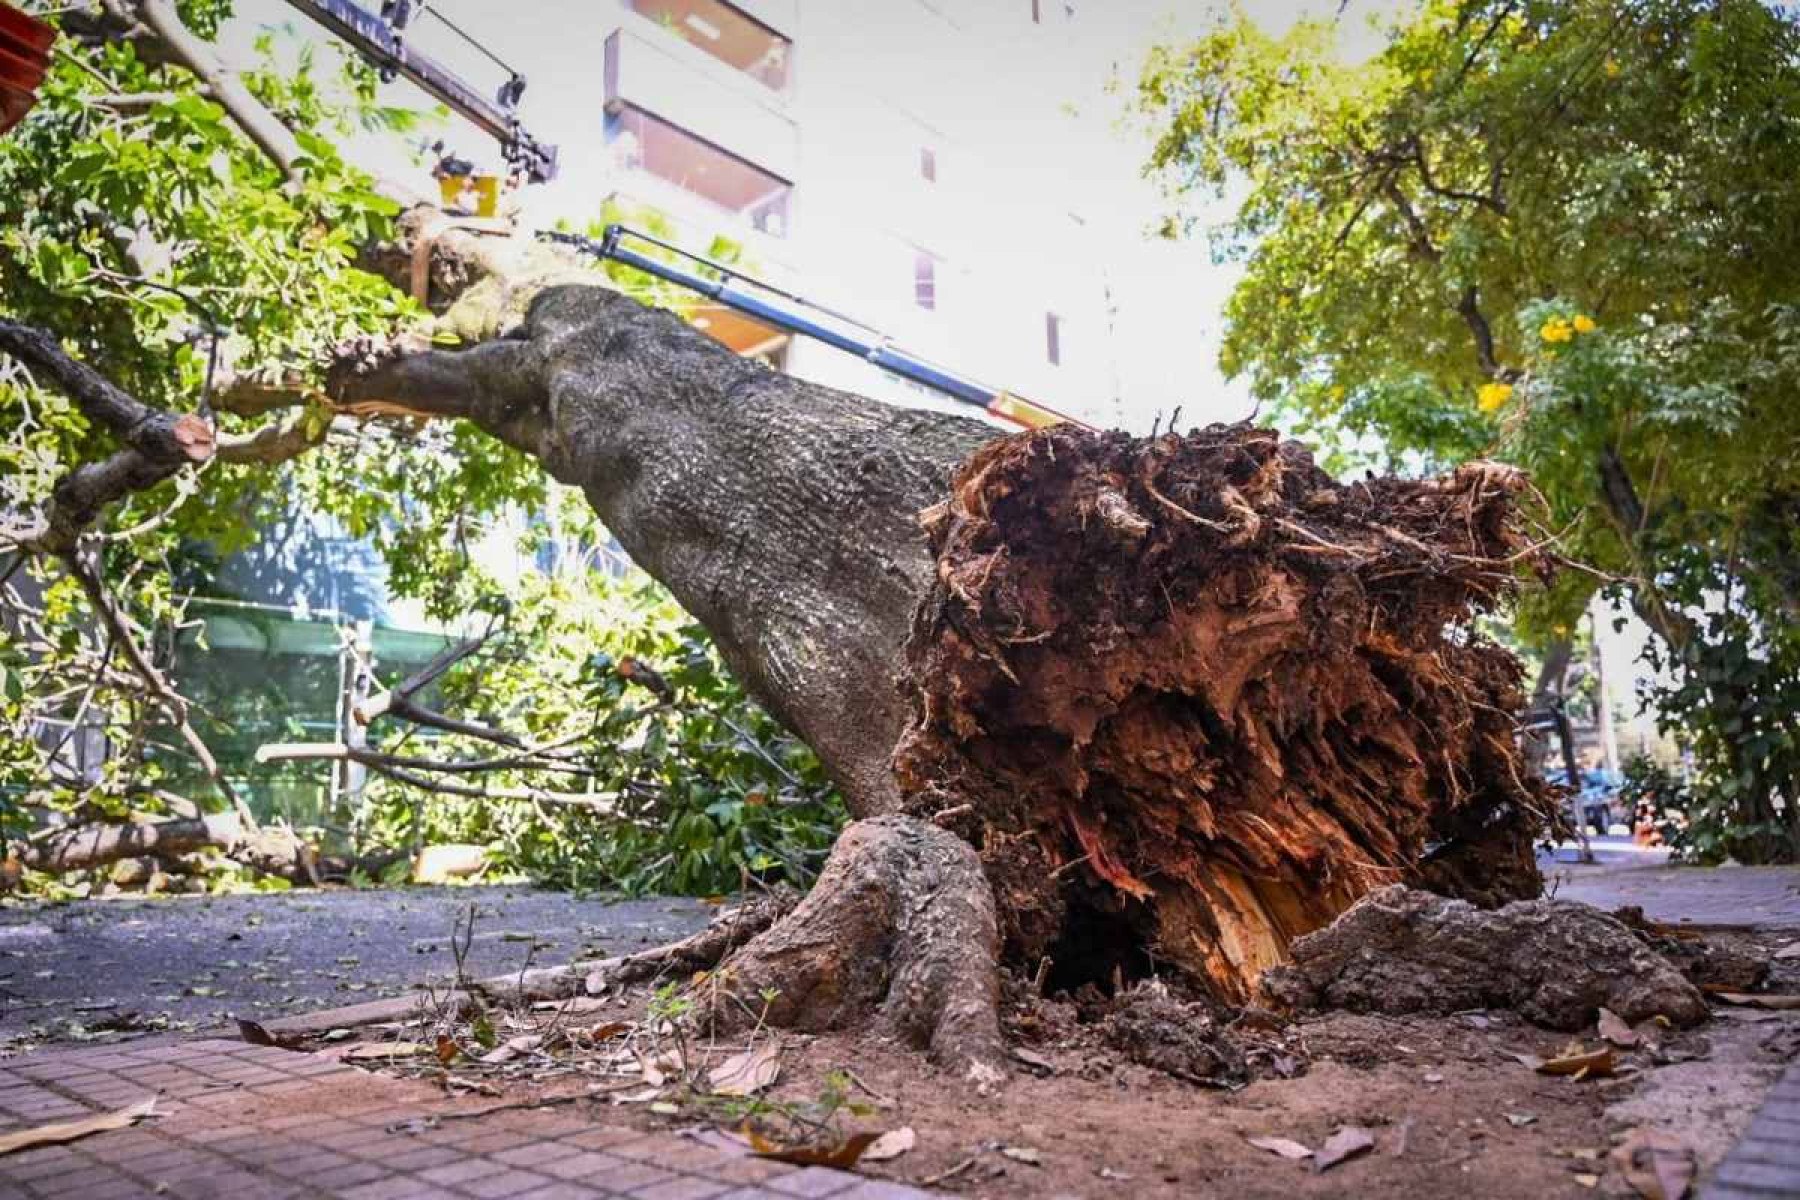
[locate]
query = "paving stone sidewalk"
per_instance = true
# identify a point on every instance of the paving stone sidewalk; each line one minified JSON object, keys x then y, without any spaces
{"x":241,"y":1122}
{"x":1765,"y":1164}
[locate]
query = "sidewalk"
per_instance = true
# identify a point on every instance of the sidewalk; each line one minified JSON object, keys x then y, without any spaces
{"x":241,"y":1122}
{"x":1625,"y":874}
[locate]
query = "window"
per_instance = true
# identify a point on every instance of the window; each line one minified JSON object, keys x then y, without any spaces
{"x":928,"y":164}
{"x":650,"y":144}
{"x":726,"y":33}
{"x":1053,"y":331}
{"x":925,"y":280}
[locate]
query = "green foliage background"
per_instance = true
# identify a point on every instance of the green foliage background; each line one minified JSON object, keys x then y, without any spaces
{"x":1566,"y":235}
{"x":140,"y":229}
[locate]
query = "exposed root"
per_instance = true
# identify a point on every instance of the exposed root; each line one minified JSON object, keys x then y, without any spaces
{"x":899,"y":928}
{"x":701,"y":951}
{"x":1201,"y":697}
{"x":1554,"y":962}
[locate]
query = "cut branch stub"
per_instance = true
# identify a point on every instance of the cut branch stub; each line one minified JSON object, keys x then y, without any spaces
{"x":1200,"y":698}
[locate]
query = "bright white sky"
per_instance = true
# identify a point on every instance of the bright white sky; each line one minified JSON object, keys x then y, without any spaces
{"x":1169,"y":295}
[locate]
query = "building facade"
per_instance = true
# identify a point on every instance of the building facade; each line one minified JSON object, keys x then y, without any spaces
{"x":910,"y":162}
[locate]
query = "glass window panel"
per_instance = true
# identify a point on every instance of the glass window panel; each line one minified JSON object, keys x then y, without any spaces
{"x":924,"y":280}
{"x":726,"y":33}
{"x":646,"y":143}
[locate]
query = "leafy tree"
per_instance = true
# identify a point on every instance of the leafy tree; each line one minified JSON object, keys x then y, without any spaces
{"x":1567,"y":235}
{"x":189,"y":262}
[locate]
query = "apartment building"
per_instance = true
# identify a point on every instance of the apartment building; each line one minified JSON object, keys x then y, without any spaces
{"x":909,"y":162}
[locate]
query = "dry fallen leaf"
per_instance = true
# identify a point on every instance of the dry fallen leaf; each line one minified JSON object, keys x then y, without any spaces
{"x":1282,"y":1146}
{"x":1348,"y":1142}
{"x":1024,"y":1154}
{"x":1657,"y":1165}
{"x":1759,"y":1001}
{"x":747,"y":1073}
{"x":68,"y":1131}
{"x":608,"y":1031}
{"x":1581,"y":1064}
{"x":513,"y":1047}
{"x":447,"y":1050}
{"x":641,"y":1096}
{"x":891,"y":1144}
{"x":257,"y":1035}
{"x":1032,"y":1058}
{"x":1614,"y":1029}
{"x":843,"y":1156}
{"x":1519,"y":1120}
{"x":385,"y":1050}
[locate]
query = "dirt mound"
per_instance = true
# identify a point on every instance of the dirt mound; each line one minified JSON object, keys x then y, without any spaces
{"x":1552,"y":961}
{"x":1191,"y":698}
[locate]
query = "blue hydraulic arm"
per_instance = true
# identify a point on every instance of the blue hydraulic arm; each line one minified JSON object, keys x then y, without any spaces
{"x":793,"y":314}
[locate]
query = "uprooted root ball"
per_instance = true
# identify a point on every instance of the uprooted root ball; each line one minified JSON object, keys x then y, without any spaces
{"x":1191,"y":698}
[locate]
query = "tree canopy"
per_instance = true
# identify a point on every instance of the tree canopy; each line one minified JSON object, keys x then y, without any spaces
{"x":1565,"y":235}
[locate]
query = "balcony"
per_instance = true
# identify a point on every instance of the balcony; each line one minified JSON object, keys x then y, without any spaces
{"x":651,"y":72}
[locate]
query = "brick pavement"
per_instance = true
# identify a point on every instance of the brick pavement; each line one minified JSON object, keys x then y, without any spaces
{"x":241,"y":1122}
{"x":1765,"y":1164}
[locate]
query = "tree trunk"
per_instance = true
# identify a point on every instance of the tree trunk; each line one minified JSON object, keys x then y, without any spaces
{"x":1177,"y":700}
{"x":782,"y":515}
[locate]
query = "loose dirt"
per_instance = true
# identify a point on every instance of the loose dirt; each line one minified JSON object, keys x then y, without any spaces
{"x":1452,"y":1104}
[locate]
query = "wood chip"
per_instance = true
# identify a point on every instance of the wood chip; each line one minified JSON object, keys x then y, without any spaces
{"x":1286,"y":1147}
{"x":1024,"y":1154}
{"x":1582,"y":1064}
{"x":68,"y":1131}
{"x":375,"y":1051}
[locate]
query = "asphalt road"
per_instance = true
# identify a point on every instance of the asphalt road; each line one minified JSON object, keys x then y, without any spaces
{"x":122,"y":967}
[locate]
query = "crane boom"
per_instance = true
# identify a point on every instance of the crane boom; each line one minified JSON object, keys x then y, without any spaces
{"x":379,"y":40}
{"x":794,"y":314}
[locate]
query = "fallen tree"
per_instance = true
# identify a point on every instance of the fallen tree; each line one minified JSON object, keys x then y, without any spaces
{"x":1176,"y":700}
{"x":1163,"y":704}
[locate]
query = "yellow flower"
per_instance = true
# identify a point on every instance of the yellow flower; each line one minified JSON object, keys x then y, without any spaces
{"x":1556,"y":329}
{"x":1584,"y":323}
{"x":1493,"y":395}
{"x":1612,"y":68}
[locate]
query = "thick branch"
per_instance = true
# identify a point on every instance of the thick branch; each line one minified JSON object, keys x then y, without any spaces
{"x":257,"y":123}
{"x":274,"y":851}
{"x":1490,"y":200}
{"x":162,"y":438}
{"x":172,"y":702}
{"x":1629,"y":518}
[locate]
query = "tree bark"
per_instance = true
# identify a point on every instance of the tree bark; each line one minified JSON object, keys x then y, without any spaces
{"x":82,"y":847}
{"x":781,"y":514}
